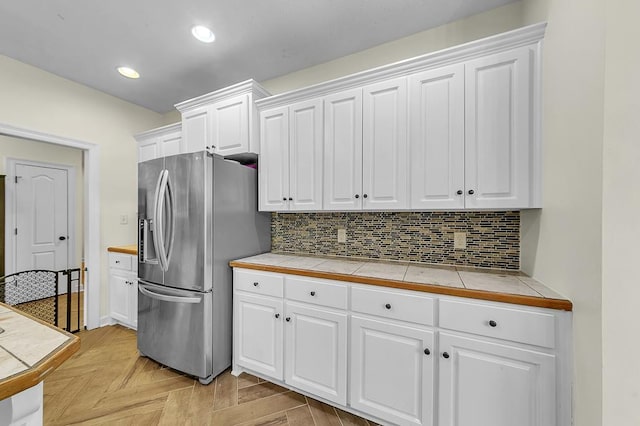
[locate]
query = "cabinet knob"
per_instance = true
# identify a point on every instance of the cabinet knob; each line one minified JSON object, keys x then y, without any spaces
{"x":364,"y":196}
{"x":492,"y":323}
{"x":388,"y":306}
{"x":357,"y":196}
{"x":290,"y":199}
{"x":287,"y":319}
{"x":117,"y":261}
{"x":459,"y":192}
{"x":213,"y":147}
{"x":445,"y":355}
{"x":255,"y":284}
{"x":427,"y":351}
{"x":284,"y":198}
{"x":313,"y":293}
{"x":277,"y":315}
{"x":471,"y":192}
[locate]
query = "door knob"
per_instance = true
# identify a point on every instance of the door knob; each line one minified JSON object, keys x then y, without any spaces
{"x":62,"y":238}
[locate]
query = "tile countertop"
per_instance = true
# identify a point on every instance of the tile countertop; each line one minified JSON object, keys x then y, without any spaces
{"x":29,"y":350}
{"x":500,"y":286}
{"x":132,"y":249}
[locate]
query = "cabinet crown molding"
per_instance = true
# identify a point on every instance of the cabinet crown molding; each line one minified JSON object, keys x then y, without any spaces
{"x":248,"y":86}
{"x":148,"y":134}
{"x":504,"y":41}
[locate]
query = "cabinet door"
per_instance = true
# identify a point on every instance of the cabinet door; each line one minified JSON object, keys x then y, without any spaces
{"x":305,"y":155}
{"x":392,"y":371}
{"x":230,"y":126}
{"x":148,"y":150}
{"x":343,"y":151}
{"x":384,"y":145}
{"x":485,"y":383}
{"x":273,"y":166}
{"x":196,"y":129}
{"x":436,"y":134}
{"x":257,"y":334}
{"x":498,"y":130}
{"x":170,"y":144}
{"x":316,"y":351}
{"x":120,"y":301}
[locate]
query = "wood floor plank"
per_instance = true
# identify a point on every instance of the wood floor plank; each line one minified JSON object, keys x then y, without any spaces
{"x":175,"y":407}
{"x":300,"y":416}
{"x":245,"y":380}
{"x":276,"y":419}
{"x":202,"y":398}
{"x":257,"y":391}
{"x":349,"y":419}
{"x":226,"y":391}
{"x":323,"y":414}
{"x":151,"y":391}
{"x":257,"y":409}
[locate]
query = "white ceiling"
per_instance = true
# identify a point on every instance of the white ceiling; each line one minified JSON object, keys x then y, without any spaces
{"x":85,"y":40}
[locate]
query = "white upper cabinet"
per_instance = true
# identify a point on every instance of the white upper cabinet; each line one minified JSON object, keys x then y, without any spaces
{"x":450,"y":130}
{"x":273,"y":167}
{"x":343,"y":151}
{"x":384,"y":145}
{"x":290,"y":168}
{"x":437,"y":138}
{"x":160,"y":142}
{"x":224,"y":122}
{"x":498,"y":130}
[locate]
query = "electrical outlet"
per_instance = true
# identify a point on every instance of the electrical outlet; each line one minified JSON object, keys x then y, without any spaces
{"x":342,"y":235}
{"x":124,"y":219}
{"x":459,"y":240}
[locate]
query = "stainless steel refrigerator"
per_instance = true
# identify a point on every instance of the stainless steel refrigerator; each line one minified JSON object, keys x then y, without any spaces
{"x":196,"y":212}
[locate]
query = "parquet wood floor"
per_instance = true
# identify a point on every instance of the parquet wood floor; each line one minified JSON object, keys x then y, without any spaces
{"x":106,"y":382}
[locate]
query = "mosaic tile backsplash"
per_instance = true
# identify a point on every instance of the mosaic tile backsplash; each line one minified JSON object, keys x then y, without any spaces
{"x":493,"y":238}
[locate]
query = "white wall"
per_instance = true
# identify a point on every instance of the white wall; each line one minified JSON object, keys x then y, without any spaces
{"x":34,"y":99}
{"x":25,"y":149}
{"x":561,"y":244}
{"x":621,"y":217}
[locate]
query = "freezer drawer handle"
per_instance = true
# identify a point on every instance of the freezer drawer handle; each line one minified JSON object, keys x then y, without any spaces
{"x":167,"y":298}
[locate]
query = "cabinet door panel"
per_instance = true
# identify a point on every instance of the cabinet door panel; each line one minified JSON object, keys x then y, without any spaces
{"x":316,"y":351}
{"x":391,"y":376}
{"x":148,"y":150}
{"x":171,"y":144}
{"x":120,"y":298}
{"x":384,"y":145}
{"x":230,"y":126}
{"x":305,"y":162}
{"x":196,"y":129}
{"x":485,"y":383}
{"x":257,"y":339}
{"x":437,"y":138}
{"x":273,"y":168}
{"x":343,"y":151}
{"x":498,"y":130}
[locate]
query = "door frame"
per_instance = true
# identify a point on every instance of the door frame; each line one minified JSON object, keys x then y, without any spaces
{"x":91,"y":160}
{"x":11,"y":206}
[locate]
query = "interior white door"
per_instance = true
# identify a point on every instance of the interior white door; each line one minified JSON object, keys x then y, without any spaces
{"x":42,"y":237}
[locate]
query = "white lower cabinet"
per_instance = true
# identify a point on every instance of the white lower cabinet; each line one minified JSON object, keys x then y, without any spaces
{"x":484,"y":383}
{"x":404,"y":357}
{"x":123,"y":289}
{"x":392,"y":371}
{"x":316,"y":351}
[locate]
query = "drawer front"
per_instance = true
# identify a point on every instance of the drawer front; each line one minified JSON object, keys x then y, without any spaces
{"x":121,"y":261}
{"x":534,"y":328}
{"x":321,"y":293}
{"x":265,"y":283}
{"x":400,"y":305}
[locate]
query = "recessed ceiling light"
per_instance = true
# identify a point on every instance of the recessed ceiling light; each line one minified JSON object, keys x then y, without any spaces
{"x":203,"y":34}
{"x":128,"y":72}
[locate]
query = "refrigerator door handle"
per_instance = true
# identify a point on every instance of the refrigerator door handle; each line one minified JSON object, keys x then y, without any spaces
{"x":166,"y":298}
{"x":156,"y":223}
{"x":172,"y":221}
{"x":159,"y":237}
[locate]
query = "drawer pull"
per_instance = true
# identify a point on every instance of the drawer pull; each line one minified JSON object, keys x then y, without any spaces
{"x":255,"y":284}
{"x":313,"y":293}
{"x":492,"y":323}
{"x":427,"y":351}
{"x":287,"y":319}
{"x":445,"y":355}
{"x":388,"y":306}
{"x":277,"y":315}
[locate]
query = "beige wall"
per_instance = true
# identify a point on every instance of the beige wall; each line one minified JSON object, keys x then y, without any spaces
{"x":24,"y":149}
{"x":621,"y":217}
{"x":561,"y":244}
{"x":37,"y":100}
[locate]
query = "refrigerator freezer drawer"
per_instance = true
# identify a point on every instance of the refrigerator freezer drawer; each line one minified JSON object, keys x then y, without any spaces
{"x":174,"y":328}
